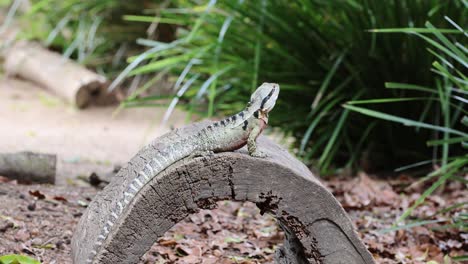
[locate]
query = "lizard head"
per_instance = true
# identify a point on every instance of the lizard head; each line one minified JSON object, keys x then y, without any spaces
{"x":261,"y":102}
{"x":264,"y":98}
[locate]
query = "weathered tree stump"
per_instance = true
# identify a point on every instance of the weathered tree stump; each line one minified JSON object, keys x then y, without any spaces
{"x":316,"y":226}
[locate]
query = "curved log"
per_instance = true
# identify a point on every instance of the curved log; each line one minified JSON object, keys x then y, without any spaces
{"x":316,"y":226}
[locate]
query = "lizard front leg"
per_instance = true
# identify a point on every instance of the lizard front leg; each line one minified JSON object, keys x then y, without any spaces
{"x":252,"y":144}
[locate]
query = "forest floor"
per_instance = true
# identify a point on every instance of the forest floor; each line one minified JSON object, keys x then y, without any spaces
{"x":38,"y":220}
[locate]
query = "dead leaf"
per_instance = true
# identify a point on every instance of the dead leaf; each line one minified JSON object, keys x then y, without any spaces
{"x":449,"y":244}
{"x":37,"y":194}
{"x":363,"y":191}
{"x":182,"y":250}
{"x":22,"y":235}
{"x":167,"y":243}
{"x":4,"y":179}
{"x":60,"y":198}
{"x":191,"y":259}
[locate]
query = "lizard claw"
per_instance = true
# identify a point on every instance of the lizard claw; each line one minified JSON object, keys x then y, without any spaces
{"x":258,"y":154}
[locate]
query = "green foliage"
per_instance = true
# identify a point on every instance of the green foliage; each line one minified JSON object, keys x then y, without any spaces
{"x":322,"y":53}
{"x":92,"y":32}
{"x":449,"y":98}
{"x":17,"y":259}
{"x":5,"y":2}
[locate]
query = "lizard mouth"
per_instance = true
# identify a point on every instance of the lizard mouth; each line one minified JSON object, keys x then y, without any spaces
{"x":263,"y":115}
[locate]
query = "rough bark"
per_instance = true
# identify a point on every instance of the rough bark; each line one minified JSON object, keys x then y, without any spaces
{"x":317,"y":228}
{"x":67,"y":79}
{"x":28,"y":167}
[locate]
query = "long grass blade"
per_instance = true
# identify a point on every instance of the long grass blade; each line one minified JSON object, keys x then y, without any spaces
{"x":415,"y":30}
{"x":140,"y":58}
{"x":179,"y":94}
{"x":333,"y":138}
{"x":404,"y":121}
{"x":258,"y":47}
{"x":315,"y":122}
{"x":456,"y":25}
{"x":445,"y":50}
{"x":387,"y":100}
{"x":152,"y":19}
{"x":447,"y":43}
{"x":413,"y":165}
{"x":10,"y":15}
{"x":454,"y":140}
{"x":411,"y":225}
{"x":213,"y":77}
{"x":327,"y":80}
{"x":200,"y":20}
{"x":393,"y":85}
{"x":60,"y":25}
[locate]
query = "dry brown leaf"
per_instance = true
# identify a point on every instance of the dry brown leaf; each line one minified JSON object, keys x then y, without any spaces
{"x":363,"y":191}
{"x":167,"y":243}
{"x":37,"y":194}
{"x":60,"y":198}
{"x":22,"y":235}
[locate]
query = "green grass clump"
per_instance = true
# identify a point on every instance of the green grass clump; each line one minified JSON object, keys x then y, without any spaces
{"x":93,"y":33}
{"x":323,"y":54}
{"x":17,"y":259}
{"x":449,"y":99}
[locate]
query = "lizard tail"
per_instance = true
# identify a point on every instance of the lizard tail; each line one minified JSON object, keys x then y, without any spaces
{"x":159,"y":162}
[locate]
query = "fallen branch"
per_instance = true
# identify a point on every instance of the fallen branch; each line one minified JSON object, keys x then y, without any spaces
{"x":28,"y":167}
{"x":69,"y":80}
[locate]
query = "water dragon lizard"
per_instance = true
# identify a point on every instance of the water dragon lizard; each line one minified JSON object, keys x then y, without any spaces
{"x":229,"y":134}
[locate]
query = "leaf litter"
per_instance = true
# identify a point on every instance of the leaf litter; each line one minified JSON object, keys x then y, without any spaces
{"x":430,"y":234}
{"x":38,"y":220}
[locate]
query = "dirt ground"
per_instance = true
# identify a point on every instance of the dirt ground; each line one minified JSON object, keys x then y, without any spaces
{"x":85,"y":141}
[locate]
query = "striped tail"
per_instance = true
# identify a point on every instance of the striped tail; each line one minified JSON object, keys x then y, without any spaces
{"x":163,"y":159}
